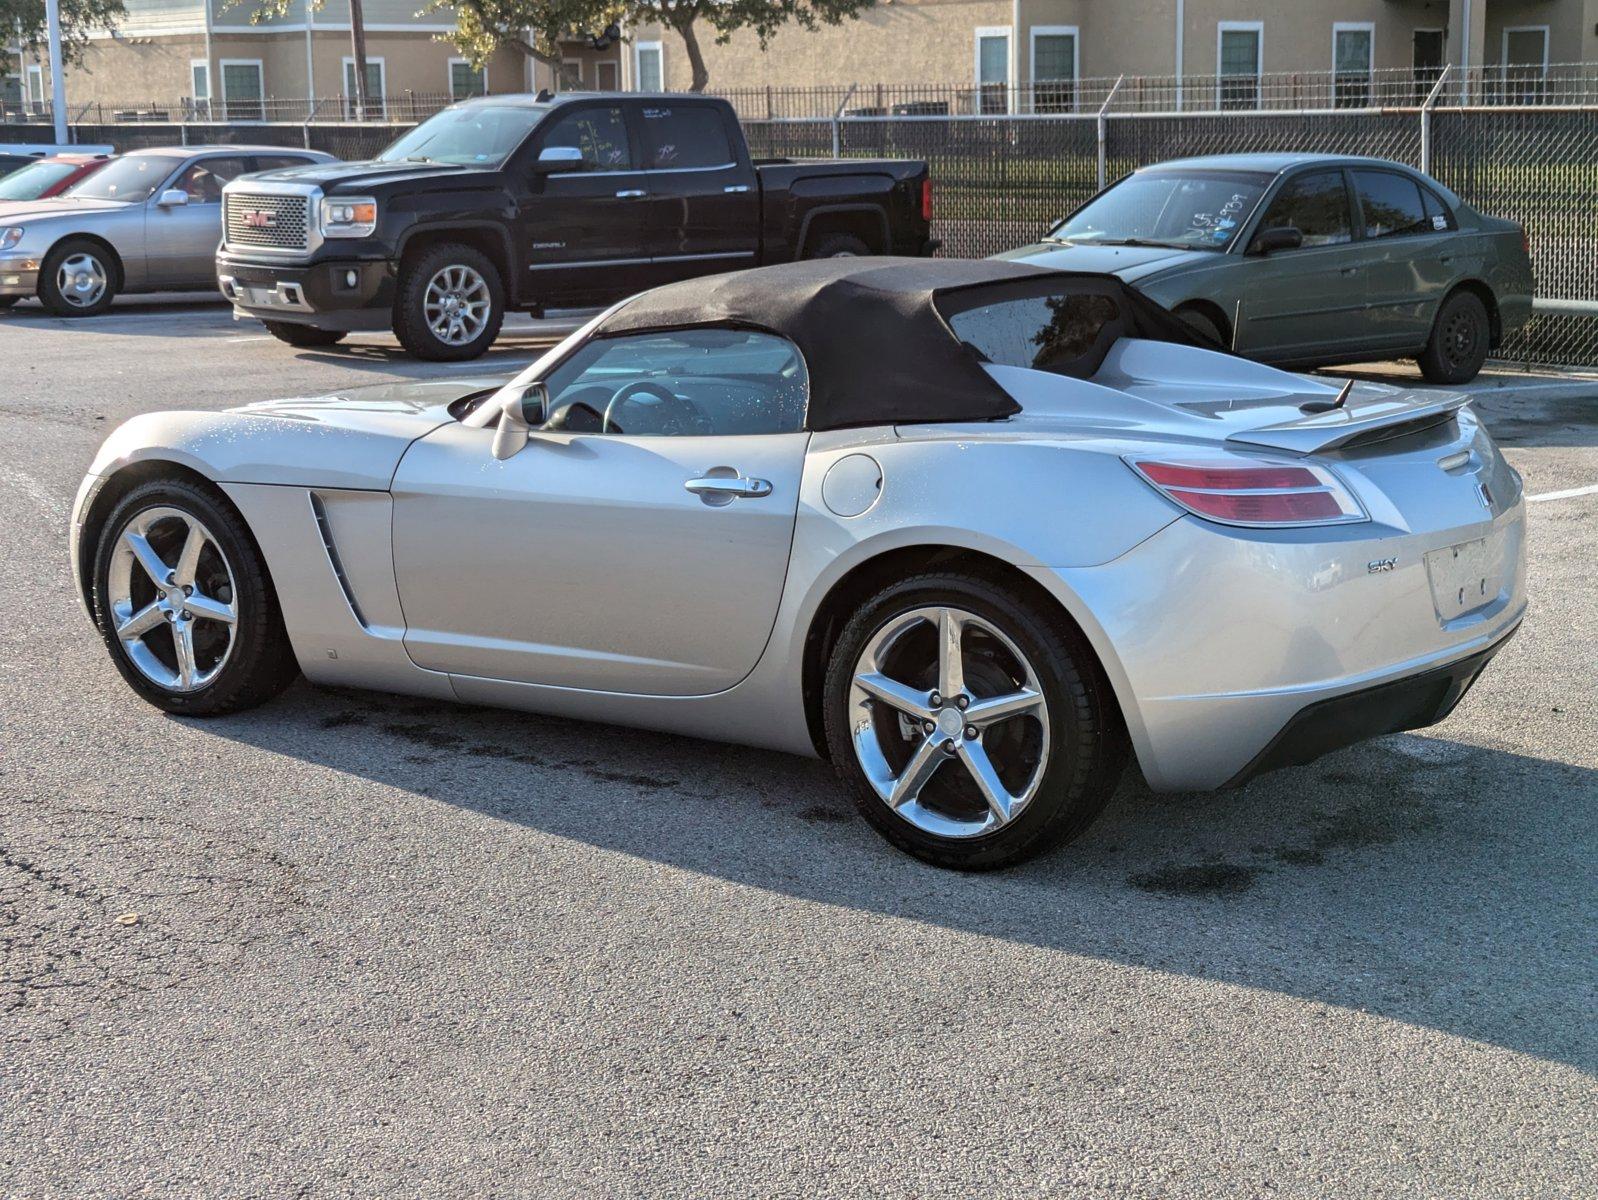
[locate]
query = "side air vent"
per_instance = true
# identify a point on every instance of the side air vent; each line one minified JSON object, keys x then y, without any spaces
{"x":325,"y":528}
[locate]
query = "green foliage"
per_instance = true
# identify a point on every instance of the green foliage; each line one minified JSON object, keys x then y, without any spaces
{"x":79,"y":18}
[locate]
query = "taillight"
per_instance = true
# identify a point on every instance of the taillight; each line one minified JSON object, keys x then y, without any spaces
{"x":1240,"y":491}
{"x":926,"y":199}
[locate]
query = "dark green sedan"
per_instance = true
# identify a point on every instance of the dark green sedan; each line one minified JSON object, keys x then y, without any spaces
{"x":1306,"y":260}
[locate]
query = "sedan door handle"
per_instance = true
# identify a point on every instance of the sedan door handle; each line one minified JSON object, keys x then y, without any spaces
{"x":724,"y":488}
{"x":631,"y":194}
{"x":736,"y":187}
{"x":1348,"y":271}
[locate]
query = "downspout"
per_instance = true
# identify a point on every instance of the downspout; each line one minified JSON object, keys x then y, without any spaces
{"x":1181,"y":41}
{"x":1464,"y":52}
{"x":310,"y":60}
{"x":212,"y":81}
{"x":1012,"y":101}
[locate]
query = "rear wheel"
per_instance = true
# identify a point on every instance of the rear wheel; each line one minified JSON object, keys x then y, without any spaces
{"x":839,"y":245}
{"x":450,"y":303}
{"x":303,"y":335}
{"x":77,"y":279}
{"x":184,"y":604}
{"x":972,"y":728}
{"x":1459,"y":341}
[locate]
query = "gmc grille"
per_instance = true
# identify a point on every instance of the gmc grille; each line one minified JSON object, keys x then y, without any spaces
{"x":271,"y":222}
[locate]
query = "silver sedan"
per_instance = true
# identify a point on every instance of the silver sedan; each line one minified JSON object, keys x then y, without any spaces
{"x":973,"y":532}
{"x":148,"y":222}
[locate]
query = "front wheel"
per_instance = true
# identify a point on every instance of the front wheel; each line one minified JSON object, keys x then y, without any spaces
{"x":184,"y":603}
{"x":304,"y":336}
{"x":8,"y":301}
{"x":77,"y":279}
{"x":1458,"y":345}
{"x":449,"y":304}
{"x":971,"y":725}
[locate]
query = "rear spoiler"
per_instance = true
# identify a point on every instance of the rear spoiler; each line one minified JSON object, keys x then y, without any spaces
{"x":1369,"y":421}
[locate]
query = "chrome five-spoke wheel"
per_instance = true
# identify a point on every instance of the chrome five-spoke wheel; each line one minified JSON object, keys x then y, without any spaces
{"x":457,"y":305}
{"x":949,"y":722}
{"x":172,"y":599}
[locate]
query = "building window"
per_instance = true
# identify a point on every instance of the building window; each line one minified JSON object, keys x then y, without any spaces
{"x":993,"y":70}
{"x":1525,"y":64}
{"x":1238,"y":46}
{"x":243,"y":91}
{"x":1353,"y":45}
{"x":465,"y":80}
{"x":650,"y":67}
{"x":1054,"y":68}
{"x":36,"y":88}
{"x":570,"y":77}
{"x":376,"y":93}
{"x":200,"y":87}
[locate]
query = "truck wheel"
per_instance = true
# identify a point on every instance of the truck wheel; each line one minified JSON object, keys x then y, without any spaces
{"x":1458,"y":345}
{"x":303,"y":335}
{"x":450,"y":303}
{"x":78,"y":279}
{"x":839,"y":245}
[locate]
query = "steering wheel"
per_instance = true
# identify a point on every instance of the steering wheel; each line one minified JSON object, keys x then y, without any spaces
{"x":672,"y":414}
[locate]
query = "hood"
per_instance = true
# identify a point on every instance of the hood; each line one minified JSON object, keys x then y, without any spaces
{"x":406,"y":408}
{"x":349,"y":176}
{"x":1131,"y":263}
{"x":16,"y":212}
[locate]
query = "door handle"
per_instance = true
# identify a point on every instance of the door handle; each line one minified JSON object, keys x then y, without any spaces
{"x":736,"y":187}
{"x":1348,"y":270}
{"x":631,"y":194}
{"x":724,"y":488}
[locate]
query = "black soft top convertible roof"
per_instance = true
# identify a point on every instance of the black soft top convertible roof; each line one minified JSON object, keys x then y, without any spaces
{"x":877,"y":347}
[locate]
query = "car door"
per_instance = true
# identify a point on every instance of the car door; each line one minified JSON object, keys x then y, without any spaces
{"x":1307,"y":302}
{"x":181,"y":239}
{"x":645,"y":554}
{"x":1408,"y":255}
{"x":704,"y":202}
{"x":581,"y":232}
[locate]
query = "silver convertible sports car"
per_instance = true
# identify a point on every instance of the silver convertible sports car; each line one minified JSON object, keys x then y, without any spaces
{"x":970,"y":530}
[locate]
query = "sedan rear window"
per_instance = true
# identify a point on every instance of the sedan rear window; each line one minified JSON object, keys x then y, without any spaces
{"x":1392,"y":204}
{"x":132,"y":178}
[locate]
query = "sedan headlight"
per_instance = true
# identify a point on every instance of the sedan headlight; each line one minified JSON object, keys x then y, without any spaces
{"x":349,"y":216}
{"x":10,"y":237}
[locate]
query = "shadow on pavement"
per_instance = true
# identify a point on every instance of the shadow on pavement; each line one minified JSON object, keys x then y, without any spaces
{"x":1416,"y":878}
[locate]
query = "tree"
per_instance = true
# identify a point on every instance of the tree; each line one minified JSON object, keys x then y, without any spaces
{"x":79,"y":18}
{"x":482,"y":26}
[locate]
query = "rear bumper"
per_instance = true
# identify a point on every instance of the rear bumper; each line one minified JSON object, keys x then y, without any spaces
{"x":348,"y":295}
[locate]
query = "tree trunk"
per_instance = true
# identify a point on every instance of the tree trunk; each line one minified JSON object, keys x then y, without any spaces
{"x":696,"y":57}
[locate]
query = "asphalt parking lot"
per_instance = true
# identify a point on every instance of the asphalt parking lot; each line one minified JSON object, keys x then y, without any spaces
{"x":357,"y":945}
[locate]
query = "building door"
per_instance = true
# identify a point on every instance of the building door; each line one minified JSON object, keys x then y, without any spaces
{"x":605,"y":76}
{"x":1426,"y":59}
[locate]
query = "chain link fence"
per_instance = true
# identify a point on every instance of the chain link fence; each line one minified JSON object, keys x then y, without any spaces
{"x":1002,"y":179}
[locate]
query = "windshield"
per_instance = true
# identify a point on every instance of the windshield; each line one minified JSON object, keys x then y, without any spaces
{"x":1188,"y":210}
{"x":478,"y":135}
{"x":132,"y":178}
{"x":32,"y":181}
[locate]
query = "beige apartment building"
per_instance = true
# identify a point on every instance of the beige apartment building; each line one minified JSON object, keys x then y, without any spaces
{"x":207,"y":58}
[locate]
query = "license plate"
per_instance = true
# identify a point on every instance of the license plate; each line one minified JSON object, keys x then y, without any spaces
{"x":1467,"y":576}
{"x":257,"y":297}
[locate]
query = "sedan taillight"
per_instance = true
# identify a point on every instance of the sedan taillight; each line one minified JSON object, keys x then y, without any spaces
{"x":1240,"y":491}
{"x":926,"y":200}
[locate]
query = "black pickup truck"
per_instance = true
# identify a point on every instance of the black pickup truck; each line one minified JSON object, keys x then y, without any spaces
{"x":535,"y":202}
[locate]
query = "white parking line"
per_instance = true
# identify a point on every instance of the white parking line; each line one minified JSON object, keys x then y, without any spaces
{"x":1567,"y":494}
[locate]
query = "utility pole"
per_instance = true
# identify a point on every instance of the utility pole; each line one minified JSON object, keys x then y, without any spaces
{"x":58,"y":78}
{"x":358,"y":50}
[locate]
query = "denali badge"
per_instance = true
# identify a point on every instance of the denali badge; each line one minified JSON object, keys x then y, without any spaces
{"x":256,"y":219}
{"x":1377,"y":566}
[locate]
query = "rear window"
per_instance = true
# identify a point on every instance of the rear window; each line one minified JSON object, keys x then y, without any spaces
{"x":1391,"y":204}
{"x":1066,"y":333}
{"x":681,"y":136}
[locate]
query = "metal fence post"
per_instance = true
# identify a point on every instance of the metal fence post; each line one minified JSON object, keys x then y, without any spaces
{"x":837,"y":119}
{"x":1426,"y":120}
{"x":1103,"y":124}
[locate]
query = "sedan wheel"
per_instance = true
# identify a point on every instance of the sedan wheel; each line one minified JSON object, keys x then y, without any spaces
{"x":974,"y":728}
{"x":77,"y":280}
{"x":1459,"y":341}
{"x":182,"y":600}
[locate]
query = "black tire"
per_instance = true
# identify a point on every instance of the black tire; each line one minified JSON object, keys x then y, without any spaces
{"x":50,"y":294}
{"x":260,"y":663}
{"x":837,"y":245}
{"x":410,"y":321}
{"x":1203,"y":324}
{"x":304,"y":336}
{"x":1088,"y":745}
{"x":1460,"y":340}
{"x":8,"y":301}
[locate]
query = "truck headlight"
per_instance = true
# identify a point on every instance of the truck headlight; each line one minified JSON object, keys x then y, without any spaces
{"x":10,"y":237}
{"x":349,"y":216}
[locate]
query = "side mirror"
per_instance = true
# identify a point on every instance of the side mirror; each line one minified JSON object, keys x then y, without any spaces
{"x":172,"y":198}
{"x":1284,"y":237}
{"x":518,"y":415}
{"x":553,"y":160}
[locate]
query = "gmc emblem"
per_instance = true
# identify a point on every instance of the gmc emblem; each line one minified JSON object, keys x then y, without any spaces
{"x":258,"y":220}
